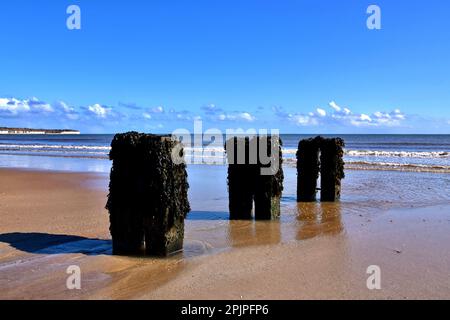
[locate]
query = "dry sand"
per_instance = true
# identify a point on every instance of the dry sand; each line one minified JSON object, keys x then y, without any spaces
{"x":50,"y":221}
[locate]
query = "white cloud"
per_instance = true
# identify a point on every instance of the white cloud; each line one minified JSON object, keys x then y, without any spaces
{"x":158,"y":110}
{"x":299,"y":119}
{"x":211,"y":109}
{"x":65,"y":110}
{"x":365,"y":117}
{"x":343,"y":116}
{"x":37,"y":105}
{"x":244,"y":116}
{"x":377,"y":119}
{"x":13,"y":106}
{"x":147,"y":115}
{"x":338,"y":109}
{"x":398,"y":114}
{"x":334,"y":106}
{"x":154,"y":113}
{"x":321,"y":112}
{"x":304,"y":120}
{"x":31,"y":107}
{"x":183,"y":115}
{"x":64,"y":107}
{"x":99,"y":111}
{"x":379,"y":114}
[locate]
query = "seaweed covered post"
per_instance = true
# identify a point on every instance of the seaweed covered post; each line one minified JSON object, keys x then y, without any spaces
{"x":332,"y":168}
{"x":241,"y":173}
{"x":147,"y":199}
{"x":124,"y":199}
{"x":308,"y":169}
{"x":269,"y":178}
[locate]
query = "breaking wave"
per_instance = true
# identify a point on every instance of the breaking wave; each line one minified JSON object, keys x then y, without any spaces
{"x":418,"y":161}
{"x":398,"y":154}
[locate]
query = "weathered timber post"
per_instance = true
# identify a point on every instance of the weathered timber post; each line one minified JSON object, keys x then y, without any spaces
{"x":269,"y":178}
{"x":255,"y":173}
{"x":330,"y":164}
{"x":332,"y":168}
{"x":307,"y":169}
{"x":147,"y":199}
{"x":241,"y":173}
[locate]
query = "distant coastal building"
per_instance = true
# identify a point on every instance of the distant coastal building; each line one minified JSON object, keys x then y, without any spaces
{"x":37,"y":131}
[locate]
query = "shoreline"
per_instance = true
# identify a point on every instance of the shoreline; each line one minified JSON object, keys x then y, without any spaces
{"x":287,"y":163}
{"x":314,"y":251}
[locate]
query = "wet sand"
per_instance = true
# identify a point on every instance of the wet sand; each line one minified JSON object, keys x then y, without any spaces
{"x":51,"y":220}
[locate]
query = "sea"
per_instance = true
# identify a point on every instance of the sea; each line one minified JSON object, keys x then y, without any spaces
{"x":89,"y":152}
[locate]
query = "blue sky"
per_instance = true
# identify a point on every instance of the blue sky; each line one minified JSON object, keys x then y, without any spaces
{"x":301,"y":66}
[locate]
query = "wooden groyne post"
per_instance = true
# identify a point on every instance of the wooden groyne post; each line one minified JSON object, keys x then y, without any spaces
{"x":331,"y":169}
{"x":254,"y":177}
{"x":147,"y":199}
{"x":269,"y":178}
{"x":307,"y":169}
{"x":241,"y":180}
{"x":324,"y":156}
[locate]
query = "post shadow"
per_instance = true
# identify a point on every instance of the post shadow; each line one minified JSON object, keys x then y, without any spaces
{"x":45,"y":243}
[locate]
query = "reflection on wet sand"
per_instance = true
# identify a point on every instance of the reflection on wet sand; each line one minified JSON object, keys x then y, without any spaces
{"x":252,"y":233}
{"x":212,"y":231}
{"x":318,"y":218}
{"x":207,"y":232}
{"x":129,"y":276}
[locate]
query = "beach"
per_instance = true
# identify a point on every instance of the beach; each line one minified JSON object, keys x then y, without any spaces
{"x":399,"y":221}
{"x":141,"y":146}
